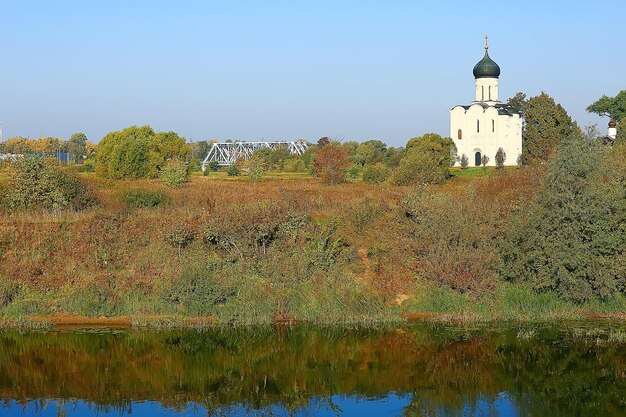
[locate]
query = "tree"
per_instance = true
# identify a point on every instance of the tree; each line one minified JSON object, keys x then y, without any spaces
{"x":323,"y":142}
{"x":484,"y":160}
{"x":255,"y":167}
{"x":546,"y":125}
{"x":427,"y":160}
{"x":330,"y":163}
{"x":500,"y":158}
{"x":76,"y":146}
{"x":138,"y":152}
{"x":165,"y":146}
{"x":612,"y":107}
{"x":518,"y":101}
{"x":573,"y":241}
{"x":370,"y":152}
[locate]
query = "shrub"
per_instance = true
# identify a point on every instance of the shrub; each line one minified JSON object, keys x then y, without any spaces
{"x":232,"y":171}
{"x":500,"y":158}
{"x":174,"y":173}
{"x":454,"y":243}
{"x":419,"y":168}
{"x":180,"y":236}
{"x":200,"y":287}
{"x":375,"y":174}
{"x":212,"y":166}
{"x":464,"y":161}
{"x":136,"y":199}
{"x":40,"y":183}
{"x":354,"y":171}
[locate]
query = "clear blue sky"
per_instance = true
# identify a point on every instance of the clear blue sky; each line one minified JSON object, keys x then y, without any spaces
{"x":354,"y":70}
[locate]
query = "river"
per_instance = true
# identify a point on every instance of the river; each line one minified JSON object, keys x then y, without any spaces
{"x":565,"y":369}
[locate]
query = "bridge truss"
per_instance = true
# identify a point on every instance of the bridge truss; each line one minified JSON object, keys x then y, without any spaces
{"x":226,"y":153}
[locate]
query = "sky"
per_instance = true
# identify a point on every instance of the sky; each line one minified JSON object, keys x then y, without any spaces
{"x":284,"y":70}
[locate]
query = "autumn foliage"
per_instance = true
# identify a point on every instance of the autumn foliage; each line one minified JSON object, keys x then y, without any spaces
{"x":330,"y":163}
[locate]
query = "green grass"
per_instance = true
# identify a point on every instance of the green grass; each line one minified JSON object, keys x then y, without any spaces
{"x":475,"y":172}
{"x":505,"y":302}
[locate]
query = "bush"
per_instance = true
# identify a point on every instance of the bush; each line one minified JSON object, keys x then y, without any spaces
{"x":464,"y":161}
{"x":375,"y":174}
{"x":573,"y":241}
{"x":174,"y":173}
{"x":136,"y":199}
{"x":212,"y":166}
{"x":500,"y":158}
{"x":180,"y":236}
{"x":201,"y":287}
{"x":40,"y":183}
{"x":232,"y":171}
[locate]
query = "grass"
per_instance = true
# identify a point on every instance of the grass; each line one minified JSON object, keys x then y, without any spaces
{"x":288,"y":248}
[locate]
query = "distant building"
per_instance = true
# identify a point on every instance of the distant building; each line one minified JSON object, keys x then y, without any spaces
{"x":487,"y":124}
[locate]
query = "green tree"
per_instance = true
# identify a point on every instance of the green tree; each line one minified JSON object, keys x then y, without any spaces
{"x":573,"y":241}
{"x":165,"y":146}
{"x":76,"y":146}
{"x":546,"y":124}
{"x":138,"y":152}
{"x":427,"y":160}
{"x":612,"y":107}
{"x":370,"y":152}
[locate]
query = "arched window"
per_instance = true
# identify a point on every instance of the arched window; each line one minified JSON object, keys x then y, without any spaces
{"x":477,"y":126}
{"x":493,"y":125}
{"x":489,"y":92}
{"x":482,"y":94}
{"x":460,"y":134}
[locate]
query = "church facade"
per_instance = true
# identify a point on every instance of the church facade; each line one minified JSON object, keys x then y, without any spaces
{"x":482,"y":127}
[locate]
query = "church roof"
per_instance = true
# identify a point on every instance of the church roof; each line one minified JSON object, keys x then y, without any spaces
{"x":486,"y":67}
{"x":503,"y":108}
{"x":507,"y":109}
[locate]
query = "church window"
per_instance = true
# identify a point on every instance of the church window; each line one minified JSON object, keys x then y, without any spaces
{"x":460,"y":134}
{"x":489,"y":92}
{"x":482,"y":94}
{"x":493,"y":125}
{"x":477,"y":126}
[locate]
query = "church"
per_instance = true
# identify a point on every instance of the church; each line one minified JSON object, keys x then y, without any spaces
{"x":482,"y":127}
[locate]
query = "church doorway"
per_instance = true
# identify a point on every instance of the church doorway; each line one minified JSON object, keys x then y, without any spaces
{"x":477,"y":158}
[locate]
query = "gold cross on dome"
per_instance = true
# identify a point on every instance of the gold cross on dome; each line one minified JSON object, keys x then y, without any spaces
{"x":486,"y":41}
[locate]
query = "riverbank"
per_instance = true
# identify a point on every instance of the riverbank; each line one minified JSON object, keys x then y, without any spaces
{"x":284,"y":250}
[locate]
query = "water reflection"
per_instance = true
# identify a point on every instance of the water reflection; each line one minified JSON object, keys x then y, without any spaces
{"x":423,"y":370}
